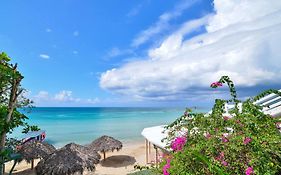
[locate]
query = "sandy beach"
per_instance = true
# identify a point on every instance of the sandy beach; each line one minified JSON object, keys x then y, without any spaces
{"x":116,"y":163}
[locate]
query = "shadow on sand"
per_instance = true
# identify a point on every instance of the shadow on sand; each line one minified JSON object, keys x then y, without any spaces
{"x":25,"y":172}
{"x":118,"y":161}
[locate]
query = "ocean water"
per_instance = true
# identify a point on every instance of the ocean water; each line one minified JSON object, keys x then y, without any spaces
{"x":83,"y":125}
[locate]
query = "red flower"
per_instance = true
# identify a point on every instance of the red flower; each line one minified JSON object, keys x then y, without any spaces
{"x":216,"y":84}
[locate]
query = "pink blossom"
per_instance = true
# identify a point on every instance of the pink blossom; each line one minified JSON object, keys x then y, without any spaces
{"x":224,"y":163}
{"x":247,"y":140}
{"x":226,"y":118}
{"x":224,"y":139}
{"x":216,"y":84}
{"x":220,"y":157}
{"x":278,"y":125}
{"x":178,"y":143}
{"x":239,"y":122}
{"x":208,"y":135}
{"x":166,"y":167}
{"x":249,"y":171}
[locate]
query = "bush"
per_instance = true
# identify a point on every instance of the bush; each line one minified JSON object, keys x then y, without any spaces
{"x":145,"y":172}
{"x":243,"y":141}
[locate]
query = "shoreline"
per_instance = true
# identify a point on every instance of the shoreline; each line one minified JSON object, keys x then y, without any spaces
{"x":117,"y":163}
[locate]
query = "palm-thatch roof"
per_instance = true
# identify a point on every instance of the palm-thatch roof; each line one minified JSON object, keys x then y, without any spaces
{"x":70,"y":159}
{"x":105,"y":144}
{"x":35,"y":149}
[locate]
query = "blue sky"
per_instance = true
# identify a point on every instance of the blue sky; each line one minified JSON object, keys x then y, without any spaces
{"x":140,"y":53}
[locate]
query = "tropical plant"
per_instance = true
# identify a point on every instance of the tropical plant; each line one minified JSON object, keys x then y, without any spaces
{"x":243,"y":140}
{"x":11,"y":100}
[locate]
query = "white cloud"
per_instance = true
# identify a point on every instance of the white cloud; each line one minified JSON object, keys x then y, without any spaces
{"x":114,"y":52}
{"x":247,"y":49}
{"x":44,"y":56}
{"x":76,"y":33}
{"x":134,"y":11}
{"x":93,"y":101}
{"x":163,"y":23}
{"x":239,"y":11}
{"x":48,"y":30}
{"x":40,"y":97}
{"x":64,"y":97}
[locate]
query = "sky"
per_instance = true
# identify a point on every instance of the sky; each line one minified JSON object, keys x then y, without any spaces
{"x":146,"y":53}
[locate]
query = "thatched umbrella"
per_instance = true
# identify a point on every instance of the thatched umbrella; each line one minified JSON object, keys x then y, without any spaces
{"x":34,"y":150}
{"x":105,"y":144}
{"x":70,"y":159}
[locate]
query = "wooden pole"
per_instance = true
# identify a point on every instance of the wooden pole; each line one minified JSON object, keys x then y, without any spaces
{"x":103,"y":154}
{"x":146,"y":151}
{"x":156,"y":156}
{"x":32,"y":164}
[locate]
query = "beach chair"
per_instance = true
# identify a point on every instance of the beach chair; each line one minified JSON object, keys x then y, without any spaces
{"x":9,"y":156}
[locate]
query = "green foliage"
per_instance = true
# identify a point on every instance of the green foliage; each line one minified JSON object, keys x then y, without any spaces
{"x":145,"y":172}
{"x":11,"y":99}
{"x":10,"y":79}
{"x":11,"y":143}
{"x":5,"y":155}
{"x":29,"y":128}
{"x":139,"y":167}
{"x":218,"y":144}
{"x":17,"y":120}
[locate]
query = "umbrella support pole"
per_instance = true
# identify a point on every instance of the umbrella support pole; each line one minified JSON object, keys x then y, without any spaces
{"x":149,"y":148}
{"x":2,"y":171}
{"x":12,"y":169}
{"x":146,"y":151}
{"x":156,"y":155}
{"x":103,"y":154}
{"x":32,"y":164}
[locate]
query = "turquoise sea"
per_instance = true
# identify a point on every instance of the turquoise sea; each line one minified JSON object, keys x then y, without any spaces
{"x":83,"y":125}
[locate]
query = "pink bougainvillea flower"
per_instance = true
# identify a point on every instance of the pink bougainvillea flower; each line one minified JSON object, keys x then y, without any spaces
{"x":178,"y":143}
{"x":224,"y":163}
{"x":249,"y":171}
{"x":216,"y":84}
{"x":247,"y":140}
{"x":278,"y":125}
{"x":208,"y":135}
{"x":166,"y":167}
{"x":224,"y":139}
{"x":220,"y":157}
{"x":226,"y":118}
